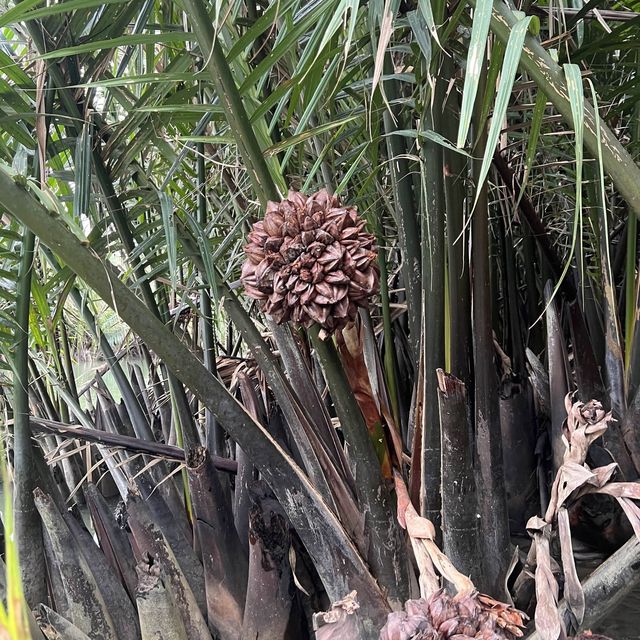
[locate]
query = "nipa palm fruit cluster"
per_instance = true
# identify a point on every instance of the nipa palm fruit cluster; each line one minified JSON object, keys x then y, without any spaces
{"x":311,"y":261}
{"x":461,"y":617}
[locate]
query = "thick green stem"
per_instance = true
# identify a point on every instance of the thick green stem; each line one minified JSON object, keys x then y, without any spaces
{"x":386,"y":547}
{"x":433,"y":282}
{"x":494,"y":525}
{"x":454,"y":171}
{"x":28,"y":529}
{"x":406,"y":217}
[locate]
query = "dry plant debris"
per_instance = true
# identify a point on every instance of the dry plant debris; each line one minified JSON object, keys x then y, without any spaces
{"x":584,"y":424}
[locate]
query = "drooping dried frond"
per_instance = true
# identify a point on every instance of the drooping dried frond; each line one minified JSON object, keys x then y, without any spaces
{"x":585,"y":423}
{"x":311,"y":261}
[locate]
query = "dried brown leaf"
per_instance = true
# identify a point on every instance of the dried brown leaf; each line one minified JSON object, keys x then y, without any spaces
{"x":571,"y":476}
{"x":573,"y":593}
{"x":421,"y":530}
{"x":547,"y":618}
{"x":340,"y":622}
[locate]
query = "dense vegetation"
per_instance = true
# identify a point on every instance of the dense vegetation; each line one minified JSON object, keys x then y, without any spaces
{"x":237,"y":474}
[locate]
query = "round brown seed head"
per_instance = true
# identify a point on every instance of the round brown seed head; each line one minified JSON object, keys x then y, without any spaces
{"x":311,"y":261}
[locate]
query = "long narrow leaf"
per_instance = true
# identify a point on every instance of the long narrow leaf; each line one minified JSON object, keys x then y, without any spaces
{"x":614,"y":356}
{"x":475,"y":57}
{"x":510,"y":66}
{"x":21,"y":13}
{"x":424,"y":8}
{"x":166,"y":208}
{"x":122,"y":41}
